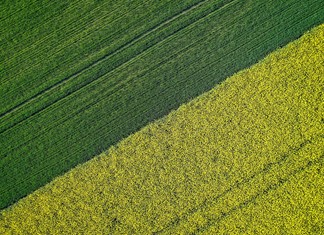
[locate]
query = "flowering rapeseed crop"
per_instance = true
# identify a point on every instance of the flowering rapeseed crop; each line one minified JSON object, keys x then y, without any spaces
{"x":245,"y":157}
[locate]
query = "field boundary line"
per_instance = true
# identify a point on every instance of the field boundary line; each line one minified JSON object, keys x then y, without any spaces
{"x":100,"y":100}
{"x":88,"y":83}
{"x":99,"y":60}
{"x":123,"y":47}
{"x":121,"y":86}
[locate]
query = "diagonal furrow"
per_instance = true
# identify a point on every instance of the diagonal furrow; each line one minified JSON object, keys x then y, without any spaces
{"x":82,"y":84}
{"x":76,"y":36}
{"x":259,"y":178}
{"x":32,"y":49}
{"x":121,"y":85}
{"x":103,"y":58}
{"x":79,"y":128}
{"x":115,"y":90}
{"x":253,"y":198}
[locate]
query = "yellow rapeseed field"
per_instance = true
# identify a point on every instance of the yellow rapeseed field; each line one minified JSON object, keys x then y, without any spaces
{"x":244,"y":158}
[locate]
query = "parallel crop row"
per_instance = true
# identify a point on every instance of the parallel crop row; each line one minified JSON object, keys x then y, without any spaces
{"x":206,"y":218}
{"x":177,"y":56}
{"x":74,"y":39}
{"x":103,"y":65}
{"x":191,"y":171}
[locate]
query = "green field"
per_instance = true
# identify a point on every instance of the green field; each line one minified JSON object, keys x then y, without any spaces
{"x":245,"y":157}
{"x":77,"y":78}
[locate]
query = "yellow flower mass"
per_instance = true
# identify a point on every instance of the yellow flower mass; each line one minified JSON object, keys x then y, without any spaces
{"x":244,"y":158}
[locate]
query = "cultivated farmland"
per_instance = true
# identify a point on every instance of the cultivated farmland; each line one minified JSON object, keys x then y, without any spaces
{"x":74,"y":82}
{"x":245,"y":157}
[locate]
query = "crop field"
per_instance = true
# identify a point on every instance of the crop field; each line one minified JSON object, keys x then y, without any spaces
{"x":78,"y":77}
{"x":245,"y":157}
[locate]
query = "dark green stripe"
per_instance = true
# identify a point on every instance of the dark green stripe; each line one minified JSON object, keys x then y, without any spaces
{"x":144,"y":81}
